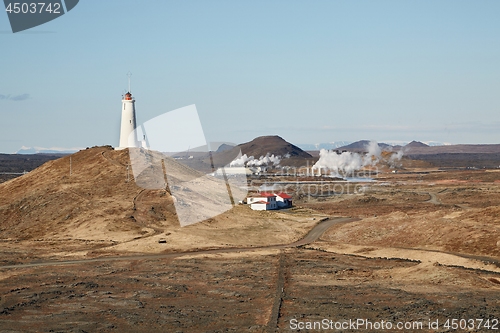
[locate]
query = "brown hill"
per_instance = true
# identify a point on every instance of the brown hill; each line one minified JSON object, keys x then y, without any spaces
{"x":56,"y":201}
{"x":89,"y":203}
{"x":272,"y":144}
{"x":361,"y":146}
{"x":258,"y":147}
{"x":416,"y":144}
{"x":95,"y":189}
{"x":263,"y":145}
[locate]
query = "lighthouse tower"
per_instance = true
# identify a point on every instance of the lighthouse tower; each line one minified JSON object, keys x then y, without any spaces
{"x":128,"y":123}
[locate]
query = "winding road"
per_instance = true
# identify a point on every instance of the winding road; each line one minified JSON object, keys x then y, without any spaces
{"x":315,"y":233}
{"x":434,"y":199}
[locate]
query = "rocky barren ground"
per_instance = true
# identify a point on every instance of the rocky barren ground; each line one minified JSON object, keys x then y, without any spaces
{"x":75,"y":257}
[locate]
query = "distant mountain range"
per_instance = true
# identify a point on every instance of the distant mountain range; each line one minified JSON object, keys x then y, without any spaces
{"x":361,"y":146}
{"x":276,"y":145}
{"x":428,"y":143}
{"x":415,"y":150}
{"x":362,"y":143}
{"x":419,"y":148}
{"x":40,"y":150}
{"x":327,"y":145}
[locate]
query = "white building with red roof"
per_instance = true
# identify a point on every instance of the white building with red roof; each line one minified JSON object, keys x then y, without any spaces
{"x":263,"y":201}
{"x":269,"y":201}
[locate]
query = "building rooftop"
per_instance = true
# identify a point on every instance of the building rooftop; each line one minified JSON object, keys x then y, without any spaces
{"x":261,"y":195}
{"x":261,"y":202}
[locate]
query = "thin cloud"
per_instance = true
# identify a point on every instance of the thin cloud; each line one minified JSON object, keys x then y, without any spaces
{"x":16,"y":98}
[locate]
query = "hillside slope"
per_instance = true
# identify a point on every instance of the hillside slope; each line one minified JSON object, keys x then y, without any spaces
{"x":88,"y":203}
{"x":88,"y":189}
{"x":272,"y":144}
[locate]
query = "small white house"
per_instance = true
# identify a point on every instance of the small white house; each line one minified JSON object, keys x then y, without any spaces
{"x":233,"y":171}
{"x":260,"y":205}
{"x":263,"y":201}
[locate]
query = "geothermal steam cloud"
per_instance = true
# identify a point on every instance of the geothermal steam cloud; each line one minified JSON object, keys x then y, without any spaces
{"x":347,"y":163}
{"x":252,"y":161}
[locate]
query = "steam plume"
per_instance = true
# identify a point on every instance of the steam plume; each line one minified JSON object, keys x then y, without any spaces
{"x":252,"y":161}
{"x":347,"y":162}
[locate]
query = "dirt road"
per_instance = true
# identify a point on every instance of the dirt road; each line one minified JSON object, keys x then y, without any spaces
{"x":314,"y":234}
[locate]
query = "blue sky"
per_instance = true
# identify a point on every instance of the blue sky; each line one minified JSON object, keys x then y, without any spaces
{"x":310,"y":71}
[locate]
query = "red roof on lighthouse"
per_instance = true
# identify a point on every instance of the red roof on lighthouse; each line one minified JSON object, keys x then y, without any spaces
{"x":128,"y":96}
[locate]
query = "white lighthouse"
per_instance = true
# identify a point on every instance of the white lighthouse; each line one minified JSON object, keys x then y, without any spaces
{"x":128,"y":125}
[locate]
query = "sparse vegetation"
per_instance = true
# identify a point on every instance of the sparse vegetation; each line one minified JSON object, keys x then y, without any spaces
{"x":425,"y":245}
